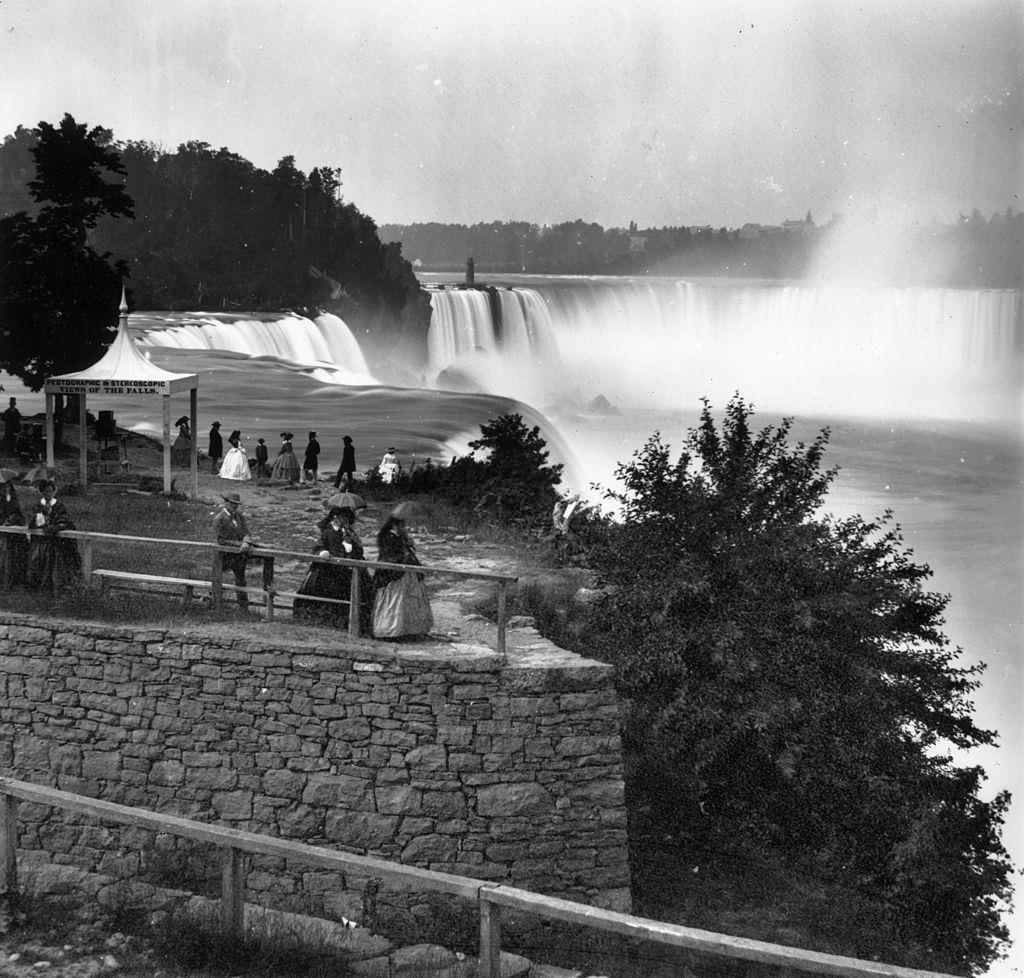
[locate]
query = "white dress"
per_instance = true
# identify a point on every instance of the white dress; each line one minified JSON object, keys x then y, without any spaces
{"x":235,"y":465}
{"x":389,"y":468}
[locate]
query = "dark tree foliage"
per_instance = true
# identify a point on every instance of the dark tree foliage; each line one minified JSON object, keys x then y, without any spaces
{"x":973,"y":252}
{"x":58,"y":296}
{"x":514,"y":483}
{"x":789,"y":684}
{"x":213,"y":231}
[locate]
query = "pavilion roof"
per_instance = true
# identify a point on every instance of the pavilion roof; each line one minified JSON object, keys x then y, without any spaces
{"x":123,"y":366}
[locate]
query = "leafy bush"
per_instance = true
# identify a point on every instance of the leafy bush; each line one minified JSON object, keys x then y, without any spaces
{"x":514,"y":484}
{"x":787,"y":683}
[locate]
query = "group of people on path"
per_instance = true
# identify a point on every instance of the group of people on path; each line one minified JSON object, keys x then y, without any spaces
{"x":236,"y":465}
{"x":41,"y":561}
{"x":392,"y":603}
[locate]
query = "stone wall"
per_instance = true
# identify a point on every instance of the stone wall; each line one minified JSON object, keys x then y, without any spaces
{"x":446,"y":757}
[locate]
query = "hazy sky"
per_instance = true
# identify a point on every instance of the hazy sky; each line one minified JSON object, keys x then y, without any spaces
{"x":662,"y":112}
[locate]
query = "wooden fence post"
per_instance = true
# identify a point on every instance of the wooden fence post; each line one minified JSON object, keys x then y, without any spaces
{"x":232,"y":899}
{"x":490,"y":938}
{"x":8,"y":846}
{"x":502,"y":587}
{"x":87,"y":561}
{"x":268,"y":586}
{"x":354,"y":600}
{"x":217,"y":580}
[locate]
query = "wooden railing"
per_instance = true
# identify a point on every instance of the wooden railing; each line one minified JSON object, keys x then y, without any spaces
{"x":489,"y":897}
{"x":266,"y":555}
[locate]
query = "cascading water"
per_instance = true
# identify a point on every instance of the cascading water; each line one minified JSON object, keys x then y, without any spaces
{"x":325,"y":347}
{"x":808,"y":348}
{"x":492,"y":341}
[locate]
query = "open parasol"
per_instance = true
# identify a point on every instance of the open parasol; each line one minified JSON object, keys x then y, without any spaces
{"x":346,"y":500}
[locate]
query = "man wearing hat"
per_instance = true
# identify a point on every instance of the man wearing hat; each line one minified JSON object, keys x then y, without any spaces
{"x":310,"y":463}
{"x":231,"y":530}
{"x":216,"y":447}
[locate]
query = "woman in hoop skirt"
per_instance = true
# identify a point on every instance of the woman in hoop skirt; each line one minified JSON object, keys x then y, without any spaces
{"x":236,"y":462}
{"x":338,"y":538}
{"x":286,"y":465}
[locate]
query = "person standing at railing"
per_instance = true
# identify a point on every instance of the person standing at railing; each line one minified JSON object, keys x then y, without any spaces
{"x":53,"y":564}
{"x":13,"y":547}
{"x":231,"y":530}
{"x":338,"y":538}
{"x":400,"y":603}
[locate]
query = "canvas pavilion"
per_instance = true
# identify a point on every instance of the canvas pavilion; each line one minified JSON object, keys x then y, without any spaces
{"x":124,"y":372}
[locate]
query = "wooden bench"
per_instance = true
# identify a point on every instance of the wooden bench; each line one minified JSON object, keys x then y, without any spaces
{"x":130,"y":581}
{"x":125,"y":579}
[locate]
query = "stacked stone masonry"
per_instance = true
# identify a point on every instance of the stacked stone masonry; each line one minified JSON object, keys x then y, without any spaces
{"x":452,"y":759}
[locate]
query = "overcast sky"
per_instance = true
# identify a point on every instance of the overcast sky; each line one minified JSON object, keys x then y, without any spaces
{"x":662,"y":112}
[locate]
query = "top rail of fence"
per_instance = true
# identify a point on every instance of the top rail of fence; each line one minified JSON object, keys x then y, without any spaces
{"x":485,"y":894}
{"x":259,"y":551}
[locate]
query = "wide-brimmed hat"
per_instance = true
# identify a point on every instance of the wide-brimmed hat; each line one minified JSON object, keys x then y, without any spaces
{"x":392,"y":449}
{"x":216,"y":424}
{"x":231,"y":497}
{"x":346,"y":438}
{"x":312,"y":434}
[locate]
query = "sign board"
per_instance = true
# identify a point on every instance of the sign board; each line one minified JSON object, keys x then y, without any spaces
{"x":134,"y":388}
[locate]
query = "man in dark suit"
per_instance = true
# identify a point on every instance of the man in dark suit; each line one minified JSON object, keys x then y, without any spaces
{"x":216,"y":452}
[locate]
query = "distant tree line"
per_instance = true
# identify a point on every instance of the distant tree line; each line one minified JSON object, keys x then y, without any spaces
{"x":211,"y":230}
{"x":973,"y":252}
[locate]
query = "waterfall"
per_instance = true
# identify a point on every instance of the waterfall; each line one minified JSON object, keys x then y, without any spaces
{"x":842,"y":349}
{"x":325,"y":346}
{"x":496,"y":340}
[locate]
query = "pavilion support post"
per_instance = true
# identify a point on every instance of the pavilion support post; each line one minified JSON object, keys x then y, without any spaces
{"x":194,"y":454}
{"x":83,"y":442}
{"x":49,"y":431}
{"x":167,"y":442}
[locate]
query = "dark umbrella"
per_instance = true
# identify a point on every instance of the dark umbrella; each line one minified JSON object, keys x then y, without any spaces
{"x":346,"y":500}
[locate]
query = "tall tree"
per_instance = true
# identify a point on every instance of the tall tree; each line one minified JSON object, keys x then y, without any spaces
{"x":789,"y":684}
{"x":58,"y":296}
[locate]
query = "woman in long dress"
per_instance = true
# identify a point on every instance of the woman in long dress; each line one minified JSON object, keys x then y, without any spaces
{"x":53,"y":563}
{"x":181,"y":448}
{"x":286,"y":465}
{"x":400,"y":602}
{"x":13,"y":546}
{"x":389,"y":466}
{"x":338,"y":538}
{"x":236,"y":462}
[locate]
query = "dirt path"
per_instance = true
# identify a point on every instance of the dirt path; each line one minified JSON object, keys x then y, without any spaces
{"x":285,"y":516}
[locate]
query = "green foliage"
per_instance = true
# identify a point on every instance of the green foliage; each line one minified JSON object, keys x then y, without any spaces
{"x":787,"y":674}
{"x":58,"y":297}
{"x":212,"y":230}
{"x":514,"y":484}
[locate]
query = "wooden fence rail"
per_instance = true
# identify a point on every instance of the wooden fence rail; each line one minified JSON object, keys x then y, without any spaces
{"x":266,"y":556}
{"x":489,"y":897}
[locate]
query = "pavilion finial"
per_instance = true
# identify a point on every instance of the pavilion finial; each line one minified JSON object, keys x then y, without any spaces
{"x":123,"y":308}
